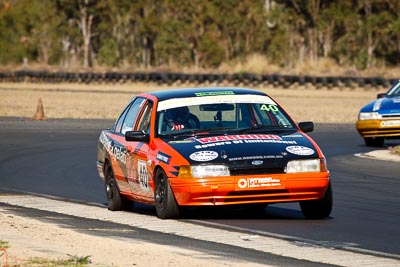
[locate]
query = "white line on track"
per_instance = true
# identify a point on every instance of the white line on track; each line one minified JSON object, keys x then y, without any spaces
{"x":292,"y":249}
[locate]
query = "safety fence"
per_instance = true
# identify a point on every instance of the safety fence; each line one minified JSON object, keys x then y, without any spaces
{"x":170,"y":78}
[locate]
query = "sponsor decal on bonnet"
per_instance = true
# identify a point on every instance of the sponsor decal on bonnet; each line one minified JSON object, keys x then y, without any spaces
{"x":203,"y":155}
{"x":241,"y":139}
{"x":300,"y":150}
{"x":378,"y":104}
{"x":213,"y":139}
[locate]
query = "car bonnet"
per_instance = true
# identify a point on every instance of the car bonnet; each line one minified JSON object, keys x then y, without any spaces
{"x":247,"y":151}
{"x":384,"y":105}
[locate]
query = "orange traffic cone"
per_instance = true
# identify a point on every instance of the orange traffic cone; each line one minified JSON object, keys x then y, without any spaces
{"x":39,"y":116}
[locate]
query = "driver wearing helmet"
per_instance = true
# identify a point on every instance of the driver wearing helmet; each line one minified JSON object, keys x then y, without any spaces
{"x":180,"y":118}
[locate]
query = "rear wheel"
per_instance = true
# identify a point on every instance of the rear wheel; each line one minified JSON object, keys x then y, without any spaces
{"x":115,"y":201}
{"x":166,"y":206}
{"x":374,"y":141}
{"x":320,"y":208}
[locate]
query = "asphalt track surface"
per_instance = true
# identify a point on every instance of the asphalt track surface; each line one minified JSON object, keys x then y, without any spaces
{"x":57,"y":158}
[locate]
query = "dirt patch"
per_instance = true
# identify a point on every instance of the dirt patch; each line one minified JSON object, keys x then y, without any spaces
{"x":29,"y":238}
{"x":106,"y":101}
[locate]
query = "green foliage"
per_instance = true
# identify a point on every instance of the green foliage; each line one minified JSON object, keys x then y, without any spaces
{"x":212,"y":54}
{"x":4,"y":244}
{"x":73,"y":260}
{"x":361,"y":60}
{"x":180,"y":33}
{"x":108,"y":53}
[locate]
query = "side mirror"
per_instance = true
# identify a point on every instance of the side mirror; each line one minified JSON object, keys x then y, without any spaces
{"x":136,"y":136}
{"x":306,"y":126}
{"x":380,"y":95}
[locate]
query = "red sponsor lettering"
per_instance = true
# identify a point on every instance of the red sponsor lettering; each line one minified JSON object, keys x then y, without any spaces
{"x":213,"y":139}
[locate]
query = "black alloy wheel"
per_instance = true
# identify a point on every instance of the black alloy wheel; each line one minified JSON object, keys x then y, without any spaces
{"x":115,"y":201}
{"x":165,"y":203}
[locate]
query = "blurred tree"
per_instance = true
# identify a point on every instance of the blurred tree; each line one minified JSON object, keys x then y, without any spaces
{"x":199,"y":34}
{"x":375,"y":27}
{"x":30,"y":28}
{"x":391,"y":49}
{"x":82,"y":14}
{"x":11,"y":45}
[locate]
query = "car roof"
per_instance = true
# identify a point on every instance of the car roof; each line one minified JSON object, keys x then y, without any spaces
{"x":191,"y":92}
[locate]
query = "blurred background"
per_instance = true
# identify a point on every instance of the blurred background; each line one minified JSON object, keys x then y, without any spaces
{"x":299,"y":37}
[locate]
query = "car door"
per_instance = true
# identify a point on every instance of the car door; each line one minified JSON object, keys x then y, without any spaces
{"x":121,"y":158}
{"x":140,"y":173}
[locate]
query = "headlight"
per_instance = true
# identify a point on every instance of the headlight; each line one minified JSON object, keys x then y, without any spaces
{"x":369,"y":116}
{"x":202,"y":171}
{"x":308,"y":165}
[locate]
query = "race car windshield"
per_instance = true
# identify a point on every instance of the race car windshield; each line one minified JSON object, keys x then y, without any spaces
{"x":225,"y":117}
{"x":395,"y":90}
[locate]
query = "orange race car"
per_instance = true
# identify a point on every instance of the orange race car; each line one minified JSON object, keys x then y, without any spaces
{"x":211,"y":146}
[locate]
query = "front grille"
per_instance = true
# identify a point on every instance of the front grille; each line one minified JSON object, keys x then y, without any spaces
{"x":256,"y":196}
{"x":267,"y":166}
{"x":391,"y":116}
{"x":258,"y":192}
{"x":249,"y":171}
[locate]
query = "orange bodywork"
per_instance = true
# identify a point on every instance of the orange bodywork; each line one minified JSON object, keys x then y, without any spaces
{"x":226,"y":190}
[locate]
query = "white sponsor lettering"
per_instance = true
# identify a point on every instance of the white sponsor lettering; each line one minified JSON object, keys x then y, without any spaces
{"x":300,"y":150}
{"x":204,"y":155}
{"x":258,"y":182}
{"x":119,"y":154}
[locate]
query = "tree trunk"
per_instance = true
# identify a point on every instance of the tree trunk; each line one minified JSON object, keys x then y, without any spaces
{"x":327,"y":42}
{"x":44,"y":54}
{"x":313,"y":45}
{"x":65,"y":48}
{"x":195,"y":57}
{"x":370,"y":50}
{"x":85,"y":24}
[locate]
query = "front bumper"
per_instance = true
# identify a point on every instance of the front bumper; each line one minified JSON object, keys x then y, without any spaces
{"x":389,"y":128}
{"x":250,"y":189}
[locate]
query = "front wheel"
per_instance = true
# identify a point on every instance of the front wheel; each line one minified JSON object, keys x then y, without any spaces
{"x":374,"y":141}
{"x":115,"y":201}
{"x":320,"y":208}
{"x":166,"y":206}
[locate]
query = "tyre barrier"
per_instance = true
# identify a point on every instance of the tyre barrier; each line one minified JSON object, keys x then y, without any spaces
{"x":170,"y":78}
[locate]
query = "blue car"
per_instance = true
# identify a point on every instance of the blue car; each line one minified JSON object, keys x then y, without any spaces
{"x":380,"y":119}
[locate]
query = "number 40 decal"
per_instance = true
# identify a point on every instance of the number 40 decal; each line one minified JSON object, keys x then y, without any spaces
{"x":143,"y":175}
{"x":269,"y":107}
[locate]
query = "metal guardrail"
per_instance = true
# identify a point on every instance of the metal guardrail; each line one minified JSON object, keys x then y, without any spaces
{"x":278,"y":80}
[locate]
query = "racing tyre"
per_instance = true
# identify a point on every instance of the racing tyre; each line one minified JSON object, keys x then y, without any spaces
{"x":374,"y":141}
{"x":166,"y":206}
{"x":320,"y":208}
{"x":115,"y":201}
